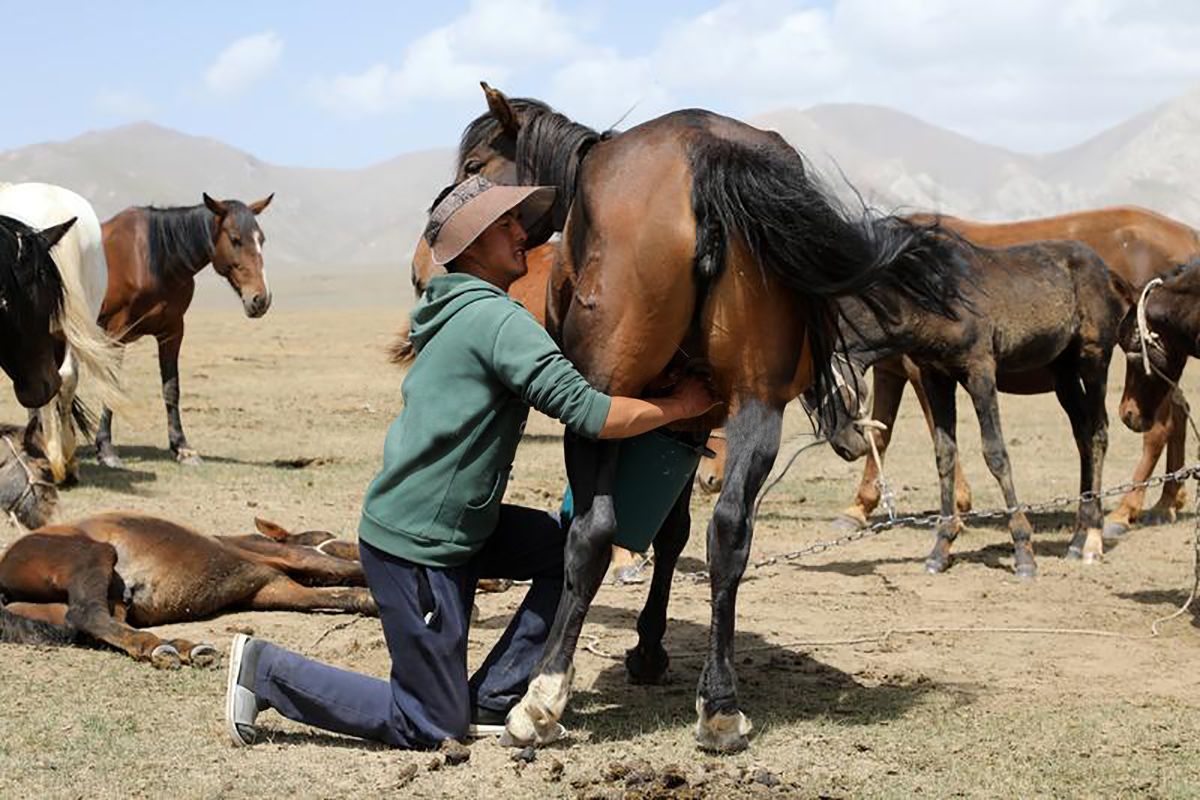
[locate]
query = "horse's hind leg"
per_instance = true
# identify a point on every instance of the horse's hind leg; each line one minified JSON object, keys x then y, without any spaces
{"x":982,"y":388}
{"x":753,"y":436}
{"x":284,"y":594}
{"x":169,"y":344}
{"x":1173,"y":497}
{"x":106,"y":454}
{"x":1089,"y":424}
{"x":592,"y":469}
{"x":940,"y":390}
{"x":647,"y":662}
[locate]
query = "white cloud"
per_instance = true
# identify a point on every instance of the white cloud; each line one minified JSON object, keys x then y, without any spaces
{"x":491,"y":40}
{"x":122,"y":104}
{"x":244,"y":63}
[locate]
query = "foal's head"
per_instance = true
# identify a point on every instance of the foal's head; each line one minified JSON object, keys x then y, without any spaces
{"x":238,"y":250}
{"x":843,"y":405}
{"x":27,"y":490}
{"x":31,"y":298}
{"x":1171,"y":331}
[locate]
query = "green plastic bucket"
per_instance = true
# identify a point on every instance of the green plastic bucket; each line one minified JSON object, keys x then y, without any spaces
{"x":652,"y":471}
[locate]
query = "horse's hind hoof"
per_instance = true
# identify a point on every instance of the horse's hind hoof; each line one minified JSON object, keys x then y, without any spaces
{"x":1115,"y":530}
{"x":1157,"y":516}
{"x":165,"y":657}
{"x":647,"y":667}
{"x":188,"y":457}
{"x":1025,"y":571}
{"x":111,"y":461}
{"x":204,"y":656}
{"x":723,"y":732}
{"x":935,"y":566}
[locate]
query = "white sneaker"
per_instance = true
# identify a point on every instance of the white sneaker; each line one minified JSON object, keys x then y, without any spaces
{"x":241,"y":704}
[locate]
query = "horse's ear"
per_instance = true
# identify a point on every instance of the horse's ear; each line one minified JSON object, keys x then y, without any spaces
{"x":31,"y":441}
{"x":259,"y":206}
{"x":53,"y":234}
{"x":501,"y":110}
{"x":215,"y":206}
{"x":271,"y":530}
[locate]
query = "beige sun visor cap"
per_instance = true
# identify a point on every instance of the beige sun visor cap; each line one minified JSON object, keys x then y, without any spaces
{"x":476,"y":203}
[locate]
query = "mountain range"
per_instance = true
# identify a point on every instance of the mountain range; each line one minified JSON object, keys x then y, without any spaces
{"x":326,"y":220}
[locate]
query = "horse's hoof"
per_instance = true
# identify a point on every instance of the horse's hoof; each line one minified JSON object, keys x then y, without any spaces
{"x":188,"y":457}
{"x":935,"y":566}
{"x":845,"y":523}
{"x":647,"y":667}
{"x":110,"y":460}
{"x":628,"y":575}
{"x":534,"y":720}
{"x":1157,"y":516}
{"x":204,"y":656}
{"x":723,"y":732}
{"x":556,"y":733}
{"x":1025,"y":571}
{"x":1115,"y":530}
{"x":165,"y":656}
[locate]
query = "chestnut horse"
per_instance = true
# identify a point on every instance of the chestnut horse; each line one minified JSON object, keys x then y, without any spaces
{"x":108,"y":575}
{"x":1171,"y":334}
{"x":692,"y":237}
{"x":1137,"y":245}
{"x":31,"y":302}
{"x":153,"y":257}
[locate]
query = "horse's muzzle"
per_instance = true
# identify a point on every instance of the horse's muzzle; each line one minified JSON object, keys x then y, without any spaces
{"x":256,"y":305}
{"x":38,"y":392}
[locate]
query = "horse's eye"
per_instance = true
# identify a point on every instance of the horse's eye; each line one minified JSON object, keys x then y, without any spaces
{"x":236,"y":241}
{"x":472,"y":167}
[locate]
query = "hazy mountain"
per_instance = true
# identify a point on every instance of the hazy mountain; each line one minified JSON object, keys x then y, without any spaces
{"x":330,"y":221}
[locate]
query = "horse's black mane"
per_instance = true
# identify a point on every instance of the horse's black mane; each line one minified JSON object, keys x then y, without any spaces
{"x":29,"y":279}
{"x":181,"y":237}
{"x":549,"y":149}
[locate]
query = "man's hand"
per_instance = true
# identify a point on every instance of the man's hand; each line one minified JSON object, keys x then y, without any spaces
{"x":692,"y":397}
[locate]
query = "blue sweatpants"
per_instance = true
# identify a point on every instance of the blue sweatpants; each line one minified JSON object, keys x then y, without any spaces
{"x":426,"y":613}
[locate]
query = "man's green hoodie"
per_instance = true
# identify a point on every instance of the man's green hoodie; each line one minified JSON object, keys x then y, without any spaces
{"x":482,"y":361}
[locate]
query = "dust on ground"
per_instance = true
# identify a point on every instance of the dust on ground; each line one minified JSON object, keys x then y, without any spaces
{"x":290,"y":412}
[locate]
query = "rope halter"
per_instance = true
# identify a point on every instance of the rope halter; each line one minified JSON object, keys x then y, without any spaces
{"x":31,"y":481}
{"x":1146,"y":337}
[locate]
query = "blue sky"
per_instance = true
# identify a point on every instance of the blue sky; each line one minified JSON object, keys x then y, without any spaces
{"x":352,"y":83}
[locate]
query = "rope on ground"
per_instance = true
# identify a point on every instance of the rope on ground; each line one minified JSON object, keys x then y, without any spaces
{"x":334,"y":628}
{"x":1179,"y":612}
{"x":592,"y":645}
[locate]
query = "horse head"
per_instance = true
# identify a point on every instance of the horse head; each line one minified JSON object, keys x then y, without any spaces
{"x":1166,"y":348}
{"x":27,"y":491}
{"x":238,"y":250}
{"x":842,"y":408}
{"x":31,"y":299}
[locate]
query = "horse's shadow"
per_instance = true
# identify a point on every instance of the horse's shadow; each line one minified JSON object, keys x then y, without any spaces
{"x":122,"y":481}
{"x":1170,"y":599}
{"x":777,"y":686}
{"x":160,"y":455}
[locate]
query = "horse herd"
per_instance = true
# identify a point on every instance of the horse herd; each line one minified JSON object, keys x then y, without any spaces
{"x":692,"y":241}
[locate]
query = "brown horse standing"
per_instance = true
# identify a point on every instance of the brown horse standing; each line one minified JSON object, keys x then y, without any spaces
{"x":153,"y":257}
{"x":690,"y":237}
{"x":108,"y":575}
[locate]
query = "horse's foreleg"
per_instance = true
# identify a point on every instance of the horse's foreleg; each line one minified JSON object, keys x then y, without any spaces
{"x":168,"y":368}
{"x":982,"y":388}
{"x":591,"y":467}
{"x":1153,"y":442}
{"x":284,"y":594}
{"x":106,"y":454}
{"x":1089,"y":426}
{"x":753,"y":444}
{"x":887,"y":392}
{"x":940,"y":390}
{"x":647,"y":662}
{"x":1174,"y":497}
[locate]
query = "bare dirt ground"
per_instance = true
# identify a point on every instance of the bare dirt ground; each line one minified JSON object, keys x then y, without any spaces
{"x":945,"y":714}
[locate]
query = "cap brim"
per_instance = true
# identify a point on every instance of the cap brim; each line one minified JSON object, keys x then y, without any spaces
{"x":532,"y":204}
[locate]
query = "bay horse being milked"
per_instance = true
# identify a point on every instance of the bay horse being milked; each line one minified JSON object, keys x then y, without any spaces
{"x":689,"y":238}
{"x":83,"y":350}
{"x":109,"y":575}
{"x":31,"y":301}
{"x":154,"y":255}
{"x":1137,"y":245}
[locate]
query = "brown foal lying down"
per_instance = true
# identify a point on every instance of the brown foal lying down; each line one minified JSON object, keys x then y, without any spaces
{"x":109,"y":575}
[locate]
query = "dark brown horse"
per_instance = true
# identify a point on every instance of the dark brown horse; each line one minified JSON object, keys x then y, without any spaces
{"x":1136,"y":244}
{"x":1037,"y":318}
{"x":690,"y":238}
{"x":1168,"y":335}
{"x":108,"y":575}
{"x":153,"y":257}
{"x":31,"y":300}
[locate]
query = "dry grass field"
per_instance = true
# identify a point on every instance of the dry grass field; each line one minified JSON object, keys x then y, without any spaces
{"x":948,"y":714}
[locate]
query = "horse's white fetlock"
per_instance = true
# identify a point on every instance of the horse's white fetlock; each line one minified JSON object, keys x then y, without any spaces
{"x":534,"y":720}
{"x":722,"y":732}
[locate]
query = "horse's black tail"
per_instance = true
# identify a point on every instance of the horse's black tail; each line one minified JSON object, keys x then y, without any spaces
{"x":15,"y":629}
{"x":765,"y":196}
{"x":84,"y":417}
